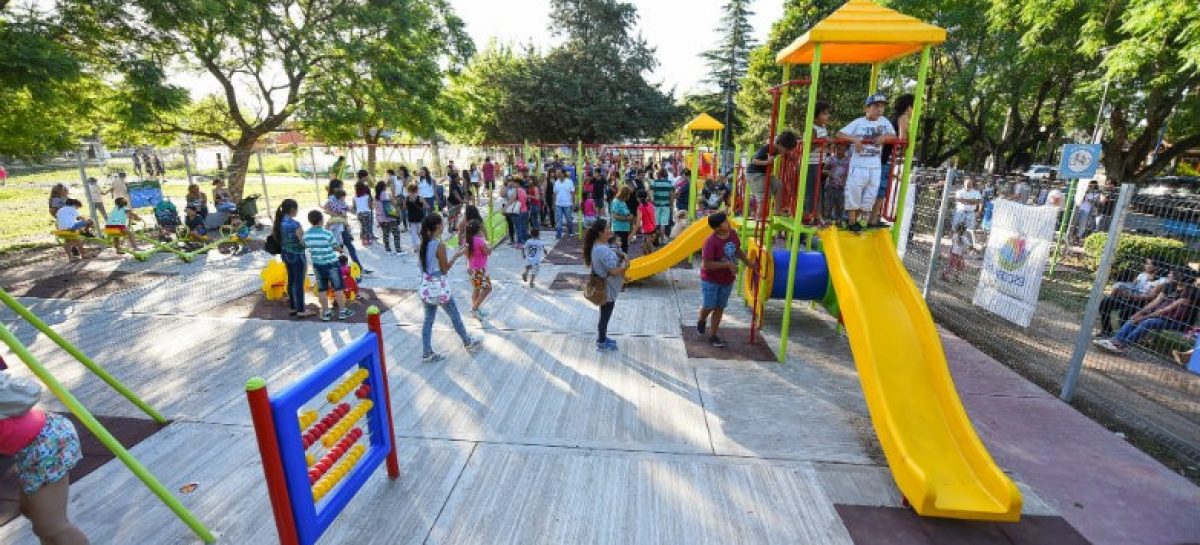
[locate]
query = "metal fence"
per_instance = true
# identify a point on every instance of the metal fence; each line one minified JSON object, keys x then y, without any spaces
{"x":1143,"y":389}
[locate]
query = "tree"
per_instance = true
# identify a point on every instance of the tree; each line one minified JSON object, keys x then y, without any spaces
{"x":729,"y":60}
{"x":592,"y":88}
{"x":391,"y":75}
{"x":49,"y":100}
{"x":261,"y":53}
{"x":1152,"y":71}
{"x":844,"y":87}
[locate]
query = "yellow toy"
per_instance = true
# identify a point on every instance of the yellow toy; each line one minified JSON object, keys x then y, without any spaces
{"x":274,"y":277}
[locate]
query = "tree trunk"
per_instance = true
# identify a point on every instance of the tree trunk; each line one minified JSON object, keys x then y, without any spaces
{"x":436,"y":154}
{"x":239,"y":164}
{"x":372,"y":145}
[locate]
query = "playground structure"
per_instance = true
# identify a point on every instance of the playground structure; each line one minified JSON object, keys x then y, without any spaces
{"x":94,"y":426}
{"x":935,"y":456}
{"x":316,"y":449}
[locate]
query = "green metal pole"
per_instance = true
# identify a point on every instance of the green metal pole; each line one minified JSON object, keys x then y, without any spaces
{"x":694,"y":181}
{"x":914,"y":127}
{"x":1067,"y":221}
{"x":104,"y":436}
{"x":874,"y":85}
{"x":95,"y":368}
{"x":716,"y":153}
{"x":797,"y":220}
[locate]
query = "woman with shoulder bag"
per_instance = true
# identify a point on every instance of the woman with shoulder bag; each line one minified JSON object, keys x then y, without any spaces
{"x":435,"y":289}
{"x":609,"y":267}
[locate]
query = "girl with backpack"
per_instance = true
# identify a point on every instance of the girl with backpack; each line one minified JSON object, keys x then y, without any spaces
{"x":290,"y":236}
{"x":388,"y":217}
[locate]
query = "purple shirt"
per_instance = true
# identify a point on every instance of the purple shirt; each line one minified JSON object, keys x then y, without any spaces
{"x":720,"y":249}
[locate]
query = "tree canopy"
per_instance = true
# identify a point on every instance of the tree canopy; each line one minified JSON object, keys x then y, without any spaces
{"x":388,"y":77}
{"x":592,"y":88}
{"x":728,"y":62}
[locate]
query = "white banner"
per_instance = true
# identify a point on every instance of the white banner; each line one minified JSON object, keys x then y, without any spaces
{"x":1017,"y":250}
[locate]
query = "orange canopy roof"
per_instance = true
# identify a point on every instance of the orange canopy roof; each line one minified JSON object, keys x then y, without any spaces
{"x":704,"y":122}
{"x":862,"y":32}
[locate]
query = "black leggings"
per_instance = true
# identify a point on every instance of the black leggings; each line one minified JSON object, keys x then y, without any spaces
{"x":624,"y":236}
{"x":512,"y":227}
{"x":606,"y":311}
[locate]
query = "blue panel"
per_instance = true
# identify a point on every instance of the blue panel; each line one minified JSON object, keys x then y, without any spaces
{"x":313,"y":519}
{"x":812,"y":276}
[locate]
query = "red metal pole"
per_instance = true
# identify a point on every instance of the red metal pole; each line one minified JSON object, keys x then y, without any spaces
{"x":393,"y":464}
{"x":764,"y":252}
{"x":272,"y":462}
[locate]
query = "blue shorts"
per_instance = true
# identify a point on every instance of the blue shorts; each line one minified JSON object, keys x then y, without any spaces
{"x":713,"y":295}
{"x":226,"y":207}
{"x":329,"y":277}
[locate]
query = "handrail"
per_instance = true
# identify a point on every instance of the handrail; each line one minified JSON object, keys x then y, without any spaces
{"x":92,"y":366}
{"x":102,"y":433}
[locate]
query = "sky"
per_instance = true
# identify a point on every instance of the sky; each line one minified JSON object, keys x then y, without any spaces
{"x":678,"y":30}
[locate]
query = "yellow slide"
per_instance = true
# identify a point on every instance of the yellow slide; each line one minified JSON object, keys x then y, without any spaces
{"x":937,"y":460}
{"x":686,"y":244}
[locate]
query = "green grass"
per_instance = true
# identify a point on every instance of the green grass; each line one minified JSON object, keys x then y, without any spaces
{"x":25,"y":219}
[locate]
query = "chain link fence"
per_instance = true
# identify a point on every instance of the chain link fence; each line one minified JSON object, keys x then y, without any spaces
{"x":1139,"y":385}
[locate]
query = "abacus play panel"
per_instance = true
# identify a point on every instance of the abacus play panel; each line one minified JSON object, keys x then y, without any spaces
{"x":322,"y":437}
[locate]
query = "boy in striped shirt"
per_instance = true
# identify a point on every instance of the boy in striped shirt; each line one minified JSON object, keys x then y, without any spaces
{"x":322,"y":247}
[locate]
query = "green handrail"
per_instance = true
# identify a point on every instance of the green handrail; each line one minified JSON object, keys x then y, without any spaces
{"x":101,"y":433}
{"x":92,"y":366}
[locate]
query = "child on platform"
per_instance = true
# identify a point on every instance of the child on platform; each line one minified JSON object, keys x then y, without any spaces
{"x":867,"y":134}
{"x":535,"y":252}
{"x":834,"y":203}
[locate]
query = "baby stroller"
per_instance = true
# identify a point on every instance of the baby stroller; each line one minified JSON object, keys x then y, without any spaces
{"x":247,"y":210}
{"x":167,"y":217}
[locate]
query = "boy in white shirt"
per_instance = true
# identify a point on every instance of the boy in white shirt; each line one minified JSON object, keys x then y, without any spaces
{"x":867,"y":135}
{"x":535,"y":252}
{"x":67,"y":218}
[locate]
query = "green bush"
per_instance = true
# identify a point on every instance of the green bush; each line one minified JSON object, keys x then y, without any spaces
{"x":1132,"y":249}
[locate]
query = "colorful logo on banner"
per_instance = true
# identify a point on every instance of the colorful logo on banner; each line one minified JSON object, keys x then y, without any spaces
{"x":1013,"y":254}
{"x":1017,"y":251}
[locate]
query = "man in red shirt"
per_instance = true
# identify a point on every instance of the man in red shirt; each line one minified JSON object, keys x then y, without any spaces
{"x":720,"y":254}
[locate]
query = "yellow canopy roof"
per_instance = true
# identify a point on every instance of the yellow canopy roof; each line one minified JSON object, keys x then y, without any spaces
{"x":862,"y":32}
{"x":704,"y":122}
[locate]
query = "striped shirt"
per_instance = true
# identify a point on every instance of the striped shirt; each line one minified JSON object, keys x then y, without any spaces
{"x":320,"y":243}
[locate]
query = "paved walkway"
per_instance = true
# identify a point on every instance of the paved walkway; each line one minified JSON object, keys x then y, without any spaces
{"x":539,"y":439}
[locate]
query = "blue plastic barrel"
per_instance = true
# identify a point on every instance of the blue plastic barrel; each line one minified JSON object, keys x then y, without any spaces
{"x":812,"y":276}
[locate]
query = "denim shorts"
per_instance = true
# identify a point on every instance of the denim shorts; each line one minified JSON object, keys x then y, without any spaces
{"x":713,"y":295}
{"x":329,"y":277}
